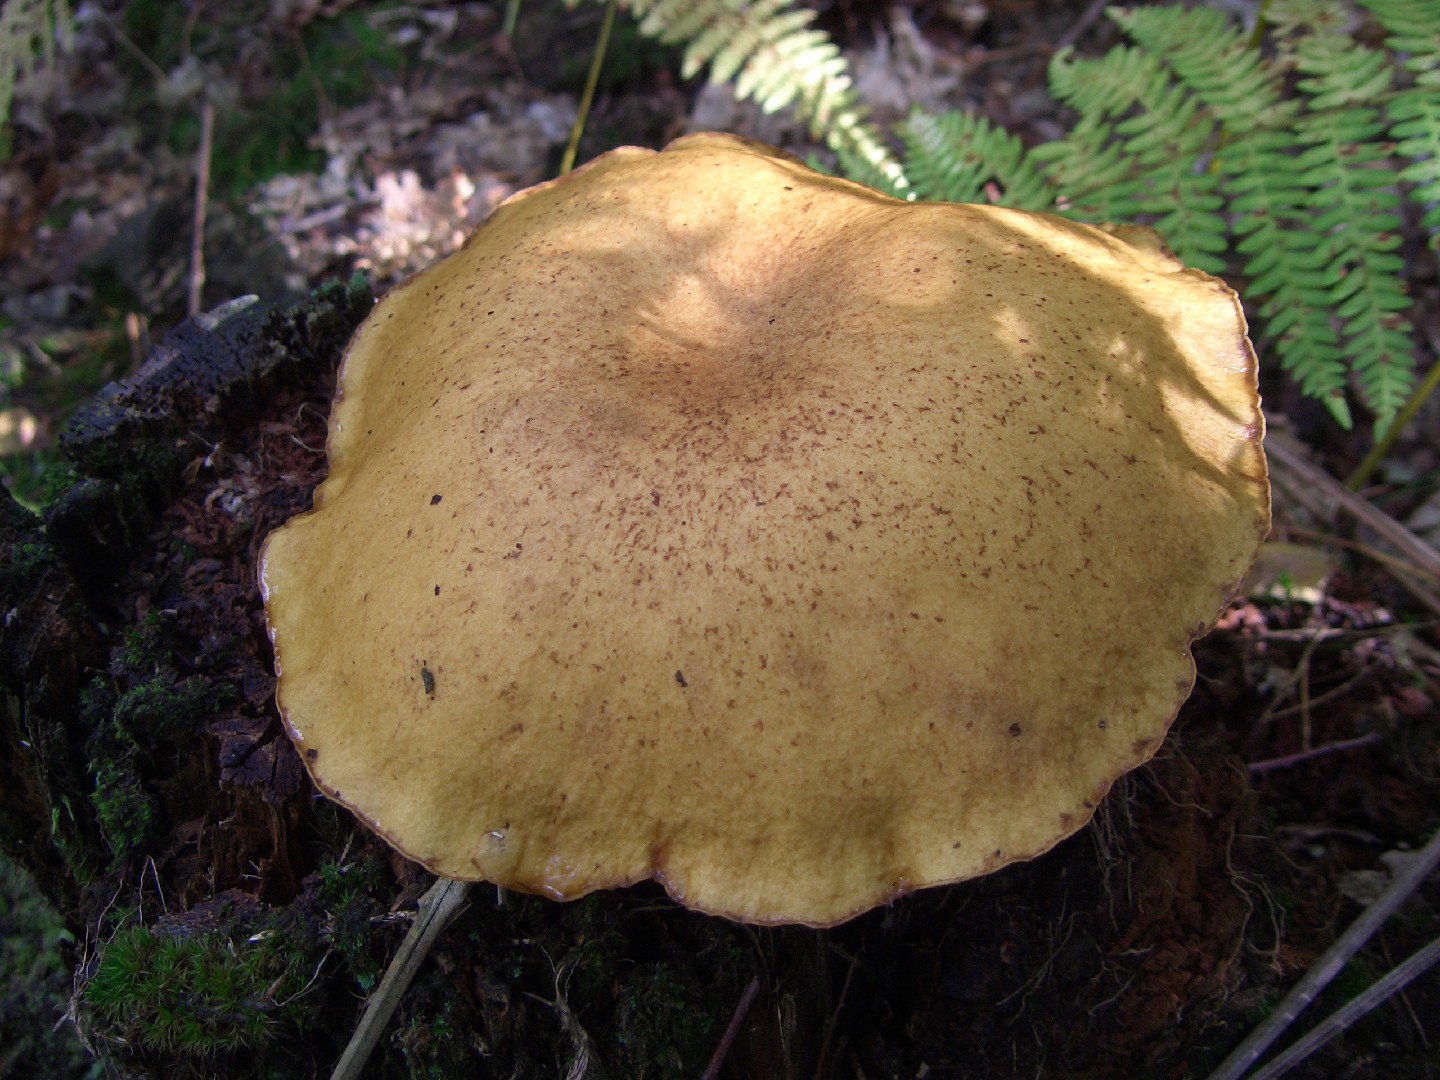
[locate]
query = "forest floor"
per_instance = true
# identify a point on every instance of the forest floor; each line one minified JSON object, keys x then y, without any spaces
{"x":373,"y":137}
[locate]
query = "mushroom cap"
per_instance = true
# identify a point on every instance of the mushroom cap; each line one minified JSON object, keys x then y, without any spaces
{"x":709,"y":519}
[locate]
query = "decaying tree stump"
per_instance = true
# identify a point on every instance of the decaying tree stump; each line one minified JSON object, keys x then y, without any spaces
{"x":132,"y":646}
{"x":143,"y":756}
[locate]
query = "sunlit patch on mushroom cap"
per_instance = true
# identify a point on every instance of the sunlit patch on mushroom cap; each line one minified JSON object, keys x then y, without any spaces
{"x":708,"y":519}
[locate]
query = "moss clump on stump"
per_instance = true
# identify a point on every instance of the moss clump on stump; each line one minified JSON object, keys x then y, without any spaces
{"x":198,"y":996}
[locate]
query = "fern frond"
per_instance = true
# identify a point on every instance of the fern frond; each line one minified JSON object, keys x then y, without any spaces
{"x":1290,"y":20}
{"x":1091,"y":173}
{"x":955,"y":156}
{"x":1284,"y":267}
{"x":1354,"y":207}
{"x":1103,"y":88}
{"x":1136,"y":151}
{"x":1413,"y":31}
{"x":863,"y":156}
{"x":776,"y":60}
{"x":770,"y":71}
{"x":1339,"y":73}
{"x":1415,"y":126}
{"x":1267,"y":200}
{"x":1210,"y":57}
{"x":1095,"y":178}
{"x":748,"y":37}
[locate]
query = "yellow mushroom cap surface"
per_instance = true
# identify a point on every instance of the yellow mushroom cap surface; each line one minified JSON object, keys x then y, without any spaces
{"x":709,"y":519}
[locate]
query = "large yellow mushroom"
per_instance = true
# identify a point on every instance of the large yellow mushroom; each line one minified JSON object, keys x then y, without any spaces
{"x":712,"y":520}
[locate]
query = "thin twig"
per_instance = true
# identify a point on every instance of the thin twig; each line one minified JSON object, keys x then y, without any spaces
{"x":156,"y":71}
{"x":1086,"y":20}
{"x":1339,"y":635}
{"x":830,"y":1021}
{"x":732,"y":1030}
{"x":437,"y":907}
{"x":155,"y":877}
{"x":1271,"y":764}
{"x":1328,"y":966}
{"x":202,"y":201}
{"x":587,"y":98}
{"x":1328,"y":696}
{"x":1385,"y":559}
{"x":314,"y":978}
{"x":1300,"y":680}
{"x":1392,"y":982}
{"x":1284,"y":450}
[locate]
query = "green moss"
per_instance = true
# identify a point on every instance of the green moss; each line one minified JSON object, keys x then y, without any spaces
{"x":145,"y":709}
{"x":196,"y":995}
{"x":347,"y":898}
{"x":154,"y":716}
{"x":139,"y":647}
{"x":31,"y":559}
{"x":664,"y":1027}
{"x":64,"y":830}
{"x":158,"y":712}
{"x":125,"y":810}
{"x":652,"y":1018}
{"x":435,"y":1046}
